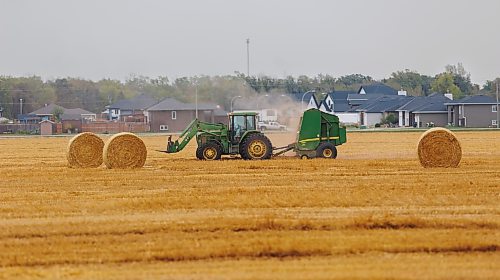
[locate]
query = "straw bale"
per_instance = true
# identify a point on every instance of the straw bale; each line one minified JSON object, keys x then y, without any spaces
{"x":439,"y":147}
{"x":85,"y":151}
{"x":124,"y":150}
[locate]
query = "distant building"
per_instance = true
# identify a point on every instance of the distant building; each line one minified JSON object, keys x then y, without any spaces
{"x":171,"y":115}
{"x":71,"y":119}
{"x":473,"y":111}
{"x":422,"y":111}
{"x":130,"y":110}
{"x":47,"y":127}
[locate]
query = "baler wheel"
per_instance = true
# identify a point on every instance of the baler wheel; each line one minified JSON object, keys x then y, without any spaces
{"x":326,"y":150}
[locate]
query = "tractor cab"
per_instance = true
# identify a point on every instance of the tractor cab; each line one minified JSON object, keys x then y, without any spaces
{"x":239,"y":123}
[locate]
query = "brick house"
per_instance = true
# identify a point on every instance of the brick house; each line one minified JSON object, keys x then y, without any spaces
{"x":171,"y":115}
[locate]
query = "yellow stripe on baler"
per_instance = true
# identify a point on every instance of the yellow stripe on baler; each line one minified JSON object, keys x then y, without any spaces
{"x":317,"y":139}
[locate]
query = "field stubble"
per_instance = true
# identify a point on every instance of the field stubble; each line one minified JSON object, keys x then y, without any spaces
{"x":372,"y":213}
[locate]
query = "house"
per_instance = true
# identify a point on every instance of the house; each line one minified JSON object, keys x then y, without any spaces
{"x":173,"y":116}
{"x":48,"y":112}
{"x":424,"y":111}
{"x":375,"y":110}
{"x":336,"y":102}
{"x":71,"y":119}
{"x":130,"y":110}
{"x":473,"y":111}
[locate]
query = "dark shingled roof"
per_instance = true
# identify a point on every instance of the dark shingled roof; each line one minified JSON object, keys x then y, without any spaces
{"x":68,"y":114}
{"x":384,"y":104}
{"x":421,"y":104}
{"x":473,"y":99}
{"x":171,"y":104}
{"x":341,"y":94}
{"x":47,"y":110}
{"x":140,"y":102}
{"x":341,"y":106}
{"x":378,"y":88}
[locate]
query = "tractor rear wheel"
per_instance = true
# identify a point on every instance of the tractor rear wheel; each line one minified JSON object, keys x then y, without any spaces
{"x":256,"y":146}
{"x":209,"y":151}
{"x":326,"y":150}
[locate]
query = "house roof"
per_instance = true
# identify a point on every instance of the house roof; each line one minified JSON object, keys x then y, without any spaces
{"x":474,"y":99}
{"x":47,"y":110}
{"x":78,"y":111}
{"x":383,"y":104}
{"x":341,"y":94}
{"x":378,"y":88}
{"x":74,"y":114}
{"x":68,"y":114}
{"x":432,"y":103}
{"x":140,"y":102}
{"x":46,"y":121}
{"x":172,"y":104}
{"x":325,"y":106}
{"x":318,"y":104}
{"x":341,"y":106}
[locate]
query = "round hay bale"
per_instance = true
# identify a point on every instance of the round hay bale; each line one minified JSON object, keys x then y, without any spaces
{"x":85,"y":150}
{"x":439,"y":147}
{"x":124,"y":150}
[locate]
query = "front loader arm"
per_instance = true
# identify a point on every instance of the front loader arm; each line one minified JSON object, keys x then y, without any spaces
{"x":184,"y":138}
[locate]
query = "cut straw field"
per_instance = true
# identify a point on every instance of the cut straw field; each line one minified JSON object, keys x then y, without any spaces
{"x":374,"y":212}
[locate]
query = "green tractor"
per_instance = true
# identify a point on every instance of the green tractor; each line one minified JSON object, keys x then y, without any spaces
{"x":241,"y":137}
{"x":318,"y":136}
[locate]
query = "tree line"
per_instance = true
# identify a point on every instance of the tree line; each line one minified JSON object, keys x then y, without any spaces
{"x":94,"y":96}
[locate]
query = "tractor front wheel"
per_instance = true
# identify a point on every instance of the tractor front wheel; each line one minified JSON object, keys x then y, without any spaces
{"x":326,"y":150}
{"x":209,"y":151}
{"x":256,"y":146}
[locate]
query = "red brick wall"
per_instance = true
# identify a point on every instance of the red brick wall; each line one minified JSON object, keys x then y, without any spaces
{"x":73,"y":125}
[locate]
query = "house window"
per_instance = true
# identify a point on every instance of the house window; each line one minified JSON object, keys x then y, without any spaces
{"x":163,"y":127}
{"x":174,"y":115}
{"x":494,"y":122}
{"x":494,"y":108}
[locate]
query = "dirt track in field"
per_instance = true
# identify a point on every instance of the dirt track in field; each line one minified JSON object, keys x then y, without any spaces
{"x":372,"y":212}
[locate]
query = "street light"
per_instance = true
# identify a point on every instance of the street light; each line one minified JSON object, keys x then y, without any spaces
{"x":248,"y":57}
{"x":232,"y":100}
{"x":302,"y":100}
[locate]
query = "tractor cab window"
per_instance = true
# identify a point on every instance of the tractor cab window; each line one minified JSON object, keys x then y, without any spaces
{"x":251,"y":123}
{"x":239,"y":126}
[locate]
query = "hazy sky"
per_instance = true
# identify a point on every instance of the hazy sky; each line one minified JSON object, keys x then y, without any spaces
{"x":97,"y":39}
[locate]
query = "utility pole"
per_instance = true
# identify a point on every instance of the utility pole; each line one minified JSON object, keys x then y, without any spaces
{"x":248,"y":57}
{"x":196,"y":100}
{"x":20,"y":106}
{"x":498,"y":109}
